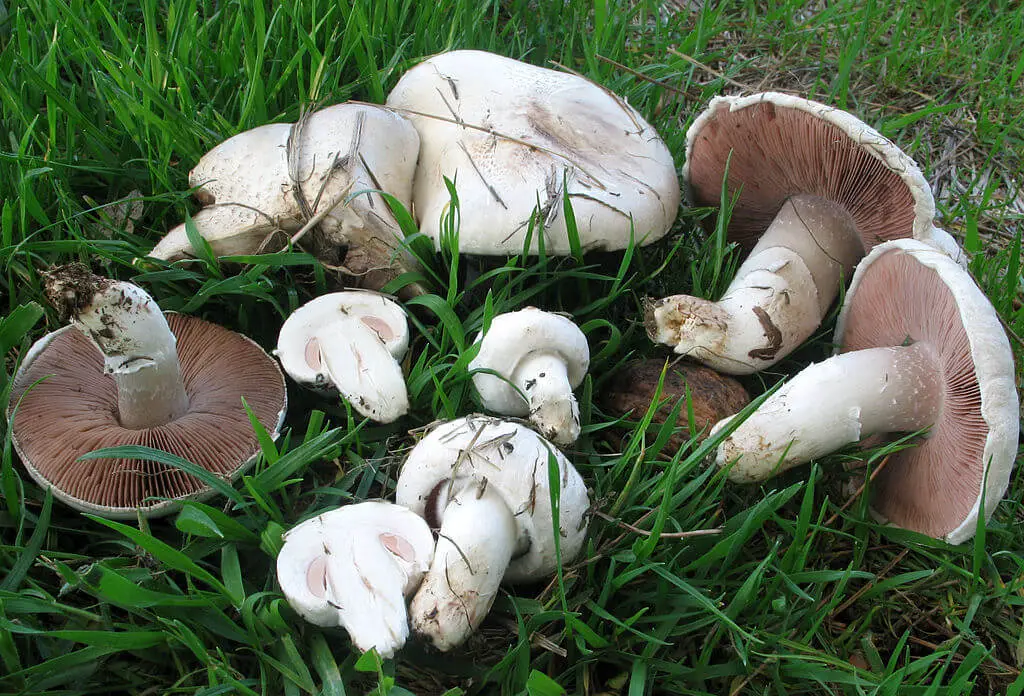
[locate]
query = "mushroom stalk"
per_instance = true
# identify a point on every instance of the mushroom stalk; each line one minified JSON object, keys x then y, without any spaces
{"x":138,"y":347}
{"x":544,"y":379}
{"x":474,"y":548}
{"x":835,"y":403}
{"x":777,"y":299}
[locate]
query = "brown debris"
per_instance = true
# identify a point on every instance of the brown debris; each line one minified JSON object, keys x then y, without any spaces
{"x":713,"y":396}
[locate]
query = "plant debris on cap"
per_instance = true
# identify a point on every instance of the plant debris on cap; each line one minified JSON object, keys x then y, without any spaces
{"x":65,"y":396}
{"x":517,"y":139}
{"x":278,"y":177}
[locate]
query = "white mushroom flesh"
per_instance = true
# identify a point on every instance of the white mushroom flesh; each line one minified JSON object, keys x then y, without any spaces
{"x":139,"y":349}
{"x":354,"y":567}
{"x":779,"y":295}
{"x":832,"y":404}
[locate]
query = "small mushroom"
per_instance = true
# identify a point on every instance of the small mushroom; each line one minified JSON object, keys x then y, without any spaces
{"x":483,"y":483}
{"x":920,"y":347}
{"x":350,"y":342}
{"x":540,"y":357}
{"x":353,"y":567}
{"x":515,"y":139}
{"x":126,"y":374}
{"x":279,"y":176}
{"x":815,"y":188}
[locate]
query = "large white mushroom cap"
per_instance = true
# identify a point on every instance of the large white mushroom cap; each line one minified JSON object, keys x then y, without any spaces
{"x":514,"y":138}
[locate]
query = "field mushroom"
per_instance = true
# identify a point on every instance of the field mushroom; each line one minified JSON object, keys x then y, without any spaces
{"x":277,"y":177}
{"x":920,"y":347}
{"x":515,"y":139}
{"x":353,"y":567}
{"x":539,"y":358}
{"x":483,"y":483}
{"x":350,"y":342}
{"x":126,"y":374}
{"x":815,"y":188}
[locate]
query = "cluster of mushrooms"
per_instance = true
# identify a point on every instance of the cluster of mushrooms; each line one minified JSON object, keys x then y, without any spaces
{"x":818,"y":197}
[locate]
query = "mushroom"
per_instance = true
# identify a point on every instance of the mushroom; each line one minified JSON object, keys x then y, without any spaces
{"x":815,"y":188}
{"x":516,"y":139}
{"x":278,"y":177}
{"x":539,"y":358}
{"x":920,"y":347}
{"x":484,"y":483}
{"x":125,"y":374}
{"x":350,"y":342}
{"x":353,"y":567}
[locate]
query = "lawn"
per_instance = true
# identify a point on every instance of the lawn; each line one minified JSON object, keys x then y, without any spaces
{"x":107,"y":104}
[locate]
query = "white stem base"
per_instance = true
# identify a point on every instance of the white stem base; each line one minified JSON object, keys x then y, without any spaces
{"x":832,"y":404}
{"x":778,"y":297}
{"x":543,"y":378}
{"x":474,"y":547}
{"x":139,"y":350}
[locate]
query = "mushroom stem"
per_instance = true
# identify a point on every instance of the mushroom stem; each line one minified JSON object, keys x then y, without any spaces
{"x":544,"y":379}
{"x":138,"y":347}
{"x":835,"y":403}
{"x":474,"y":547}
{"x":777,"y":299}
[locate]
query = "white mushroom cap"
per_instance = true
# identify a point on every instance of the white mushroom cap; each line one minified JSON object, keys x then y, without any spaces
{"x":247,"y":184}
{"x":488,"y":464}
{"x":353,"y":567}
{"x":540,"y":355}
{"x":350,"y":342}
{"x":513,"y":137}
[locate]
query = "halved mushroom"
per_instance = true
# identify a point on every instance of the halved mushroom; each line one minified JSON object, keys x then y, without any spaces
{"x":515,"y":139}
{"x":354,"y":567}
{"x":277,"y":177}
{"x":816,"y":188}
{"x":125,"y":374}
{"x":350,"y":342}
{"x":921,"y":347}
{"x":539,"y":358}
{"x":484,"y":483}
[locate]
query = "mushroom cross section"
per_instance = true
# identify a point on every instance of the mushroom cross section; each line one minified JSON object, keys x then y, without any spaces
{"x":350,"y":342}
{"x":483,"y":483}
{"x":516,"y":140}
{"x":814,"y":188}
{"x":126,"y":374}
{"x":277,"y":177}
{"x":353,"y":567}
{"x":920,"y":347}
{"x":540,"y":358}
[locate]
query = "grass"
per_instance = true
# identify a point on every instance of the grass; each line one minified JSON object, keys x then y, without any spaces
{"x":796,"y":595}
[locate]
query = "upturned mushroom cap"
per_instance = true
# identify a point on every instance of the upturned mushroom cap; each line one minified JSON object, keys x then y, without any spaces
{"x":905,"y":292}
{"x":353,"y":567}
{"x":539,"y":355}
{"x":64,"y":405}
{"x":278,"y":176}
{"x":782,"y":146}
{"x":514,"y":462}
{"x":514,"y":137}
{"x":350,"y":342}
